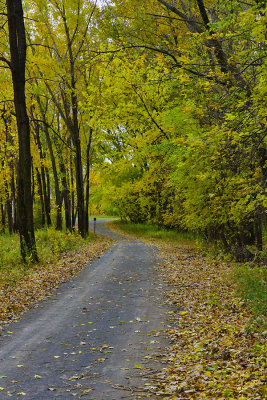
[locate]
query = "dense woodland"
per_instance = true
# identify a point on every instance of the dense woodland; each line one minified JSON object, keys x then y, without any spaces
{"x":151,"y":110}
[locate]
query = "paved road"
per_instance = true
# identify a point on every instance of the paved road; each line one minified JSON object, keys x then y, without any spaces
{"x":90,"y":338}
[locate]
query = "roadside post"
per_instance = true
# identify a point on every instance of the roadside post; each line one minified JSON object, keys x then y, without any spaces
{"x":94,"y":224}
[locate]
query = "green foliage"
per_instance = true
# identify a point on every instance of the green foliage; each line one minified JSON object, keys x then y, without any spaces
{"x":177,"y":113}
{"x":191,"y":122}
{"x":251,"y":286}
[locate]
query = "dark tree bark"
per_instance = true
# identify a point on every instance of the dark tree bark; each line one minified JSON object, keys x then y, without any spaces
{"x":48,"y":191}
{"x":11,"y":195}
{"x":9,"y":212}
{"x":87,"y":181}
{"x":3,"y":216}
{"x":17,"y":42}
{"x":41,"y":195}
{"x":70,"y":116}
{"x":46,"y":197}
{"x":258,"y":233}
{"x":73,"y":216}
{"x":76,"y":141}
{"x":13,"y":201}
{"x":54,"y":167}
{"x":66,"y":196}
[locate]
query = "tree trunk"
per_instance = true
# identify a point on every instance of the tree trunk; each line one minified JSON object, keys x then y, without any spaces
{"x":73,"y":218}
{"x":41,"y":195}
{"x":54,"y":167}
{"x":66,"y":196}
{"x":3,"y":217}
{"x":79,"y":189}
{"x":87,"y":181}
{"x":258,"y":233}
{"x":41,"y":175}
{"x":13,"y":201}
{"x":9,"y":216}
{"x":17,"y":42}
{"x":75,"y":134}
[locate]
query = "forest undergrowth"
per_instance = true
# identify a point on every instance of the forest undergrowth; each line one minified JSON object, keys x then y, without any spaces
{"x":218,"y":343}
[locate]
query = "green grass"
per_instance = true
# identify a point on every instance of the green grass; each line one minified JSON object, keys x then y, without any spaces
{"x":156,"y":232}
{"x":50,"y":243}
{"x":251,"y":286}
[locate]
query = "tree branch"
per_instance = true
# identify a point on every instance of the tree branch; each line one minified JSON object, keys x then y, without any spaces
{"x":55,"y":132}
{"x":6,"y":61}
{"x":188,"y":20}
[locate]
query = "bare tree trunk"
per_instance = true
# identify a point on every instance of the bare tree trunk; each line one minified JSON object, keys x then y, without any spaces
{"x":54,"y":167}
{"x":75,"y":134}
{"x":3,"y":217}
{"x":73,"y":217}
{"x":9,"y":215}
{"x":66,"y":196}
{"x":258,"y":233}
{"x":41,"y":195}
{"x":41,"y":176}
{"x":17,"y":42}
{"x":87,"y":181}
{"x":13,"y":201}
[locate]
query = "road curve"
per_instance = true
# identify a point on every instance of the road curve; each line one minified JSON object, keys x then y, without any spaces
{"x":96,"y":337}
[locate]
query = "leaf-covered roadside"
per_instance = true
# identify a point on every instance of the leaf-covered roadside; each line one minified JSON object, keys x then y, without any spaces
{"x":17,"y":298}
{"x":218,"y":352}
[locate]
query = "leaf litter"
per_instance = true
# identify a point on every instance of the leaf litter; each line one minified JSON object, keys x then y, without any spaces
{"x":217,"y":350}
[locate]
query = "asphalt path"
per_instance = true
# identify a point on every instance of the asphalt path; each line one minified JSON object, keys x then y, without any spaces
{"x":99,"y":336}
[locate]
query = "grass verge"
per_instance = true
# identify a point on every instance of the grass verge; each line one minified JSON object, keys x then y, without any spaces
{"x":154,"y":231}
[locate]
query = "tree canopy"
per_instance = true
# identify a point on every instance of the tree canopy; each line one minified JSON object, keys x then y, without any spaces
{"x":151,"y":110}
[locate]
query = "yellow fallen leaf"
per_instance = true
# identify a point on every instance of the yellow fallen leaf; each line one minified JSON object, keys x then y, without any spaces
{"x":86,"y":391}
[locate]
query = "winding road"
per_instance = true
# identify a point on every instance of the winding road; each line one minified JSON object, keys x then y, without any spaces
{"x":99,"y":336}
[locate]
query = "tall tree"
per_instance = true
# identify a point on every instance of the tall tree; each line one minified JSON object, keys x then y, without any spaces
{"x":67,"y":25}
{"x":17,"y":42}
